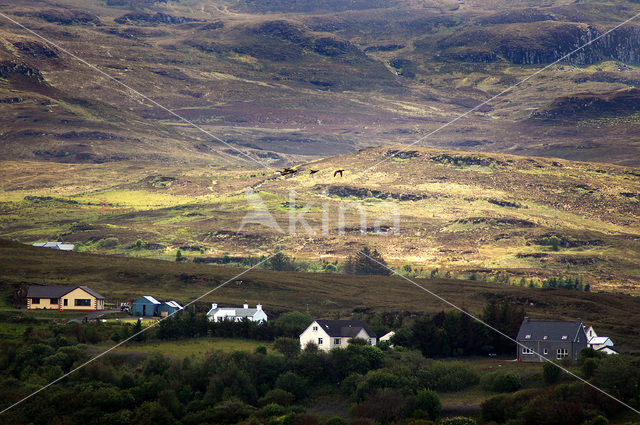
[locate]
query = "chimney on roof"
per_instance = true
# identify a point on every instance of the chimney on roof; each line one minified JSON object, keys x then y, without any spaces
{"x":246,"y":305}
{"x":259,"y":307}
{"x":214,"y":306}
{"x":526,"y":318}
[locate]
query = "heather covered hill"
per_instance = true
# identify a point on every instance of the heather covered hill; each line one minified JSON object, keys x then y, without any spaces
{"x":463,"y":213}
{"x":308,"y":78}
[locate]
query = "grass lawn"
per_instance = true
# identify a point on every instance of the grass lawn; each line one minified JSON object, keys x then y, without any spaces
{"x":188,"y":347}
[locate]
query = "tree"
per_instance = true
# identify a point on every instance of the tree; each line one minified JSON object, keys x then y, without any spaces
{"x":179,"y":256}
{"x":370,"y":262}
{"x":427,"y":405}
{"x":139,"y":244}
{"x":292,"y":324}
{"x":551,"y":373}
{"x":137,"y":330}
{"x":282,"y":262}
{"x":287,"y":346}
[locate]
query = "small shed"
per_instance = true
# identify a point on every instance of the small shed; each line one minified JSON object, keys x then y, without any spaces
{"x":145,"y":306}
{"x":168,"y":308}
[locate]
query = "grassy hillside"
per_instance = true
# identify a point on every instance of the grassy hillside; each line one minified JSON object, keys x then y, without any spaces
{"x":466,"y":214}
{"x":120,"y":278}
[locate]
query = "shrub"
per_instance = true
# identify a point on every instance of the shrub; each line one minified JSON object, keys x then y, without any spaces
{"x":287,"y":346}
{"x":448,"y":376}
{"x":501,"y":382}
{"x":551,"y":373}
{"x":277,"y":396}
{"x":336,"y":420}
{"x":427,"y":405}
{"x":598,"y":420}
{"x":294,"y":384}
{"x":272,"y":410}
{"x":108,"y":243}
{"x":458,"y":420}
{"x":589,"y":367}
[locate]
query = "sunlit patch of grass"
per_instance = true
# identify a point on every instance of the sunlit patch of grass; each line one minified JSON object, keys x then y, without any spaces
{"x":136,"y":199}
{"x":195,"y":347}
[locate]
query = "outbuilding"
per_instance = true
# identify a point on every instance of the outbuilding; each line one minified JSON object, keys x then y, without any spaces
{"x":168,"y":308}
{"x":145,"y":306}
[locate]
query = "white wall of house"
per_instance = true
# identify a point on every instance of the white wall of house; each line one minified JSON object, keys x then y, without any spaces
{"x":216,"y":314}
{"x":315,"y":334}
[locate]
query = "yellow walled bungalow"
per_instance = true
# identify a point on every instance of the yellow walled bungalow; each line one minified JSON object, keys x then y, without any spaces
{"x":72,"y":298}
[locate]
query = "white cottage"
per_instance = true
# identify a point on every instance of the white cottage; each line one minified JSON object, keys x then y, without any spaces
{"x":328,"y":334}
{"x":217,"y":314}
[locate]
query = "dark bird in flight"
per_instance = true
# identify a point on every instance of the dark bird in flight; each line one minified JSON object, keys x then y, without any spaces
{"x":288,"y":171}
{"x":338,"y":172}
{"x":313,"y":171}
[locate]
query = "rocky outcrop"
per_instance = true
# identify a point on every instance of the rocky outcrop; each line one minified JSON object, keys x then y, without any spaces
{"x":35,"y":49}
{"x":142,"y":18}
{"x":591,"y":105}
{"x":10,"y":69}
{"x":67,"y":17}
{"x":542,"y":43}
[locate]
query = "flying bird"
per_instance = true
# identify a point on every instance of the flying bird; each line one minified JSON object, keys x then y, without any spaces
{"x":338,"y":172}
{"x":313,"y":171}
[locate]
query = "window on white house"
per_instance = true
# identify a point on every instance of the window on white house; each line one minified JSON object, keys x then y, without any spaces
{"x":53,"y":301}
{"x":336,"y":341}
{"x":315,"y":328}
{"x":369,"y":341}
{"x":35,"y":300}
{"x":319,"y":341}
{"x":80,"y":302}
{"x":546,"y":351}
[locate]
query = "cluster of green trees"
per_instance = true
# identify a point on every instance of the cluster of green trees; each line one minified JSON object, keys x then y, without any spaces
{"x":381,"y":385}
{"x":196,"y":325}
{"x":566,"y":283}
{"x":222,"y":388}
{"x":450,"y":334}
{"x":570,"y":402}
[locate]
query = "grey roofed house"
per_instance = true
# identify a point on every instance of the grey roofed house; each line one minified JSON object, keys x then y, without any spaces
{"x":344,"y":328}
{"x":57,"y":291}
{"x":550,"y":339}
{"x":92,"y":292}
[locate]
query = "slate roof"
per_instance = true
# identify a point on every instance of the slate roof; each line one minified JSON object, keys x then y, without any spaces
{"x":553,"y":331}
{"x":91,"y":292}
{"x":57,"y":291}
{"x":49,"y":291}
{"x":344,"y":328}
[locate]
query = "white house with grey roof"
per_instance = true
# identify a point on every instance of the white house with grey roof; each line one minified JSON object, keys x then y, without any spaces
{"x":217,"y":314}
{"x":550,"y":339}
{"x":328,"y":334}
